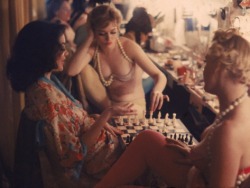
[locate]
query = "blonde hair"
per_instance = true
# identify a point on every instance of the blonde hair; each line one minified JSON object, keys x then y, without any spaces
{"x":102,"y":15}
{"x":233,"y":51}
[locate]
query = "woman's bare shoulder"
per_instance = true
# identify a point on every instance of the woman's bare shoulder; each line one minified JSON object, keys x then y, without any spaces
{"x":129,"y":45}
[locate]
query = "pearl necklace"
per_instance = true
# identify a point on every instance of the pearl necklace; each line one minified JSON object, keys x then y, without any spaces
{"x":108,"y":82}
{"x":218,"y":122}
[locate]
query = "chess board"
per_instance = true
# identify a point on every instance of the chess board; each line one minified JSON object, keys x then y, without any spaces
{"x":172,"y":128}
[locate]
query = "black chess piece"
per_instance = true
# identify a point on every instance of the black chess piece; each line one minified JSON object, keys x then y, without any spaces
{"x":175,"y":136}
{"x":131,"y":139}
{"x":179,"y":137}
{"x":128,"y":139}
{"x":182,"y":138}
{"x":190,"y":140}
{"x":186,"y":139}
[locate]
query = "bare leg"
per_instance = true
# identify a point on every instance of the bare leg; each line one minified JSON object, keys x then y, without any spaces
{"x":147,"y":151}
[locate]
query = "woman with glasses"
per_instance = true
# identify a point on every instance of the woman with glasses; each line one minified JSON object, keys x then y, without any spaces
{"x":84,"y":145}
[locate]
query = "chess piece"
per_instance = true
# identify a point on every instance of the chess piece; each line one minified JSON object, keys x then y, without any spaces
{"x":191,"y":140}
{"x":120,"y":120}
{"x":128,"y":139}
{"x":154,"y":121}
{"x":131,"y":139}
{"x":159,"y":117}
{"x":175,"y":136}
{"x":129,"y":120}
{"x":166,"y":120}
{"x":182,"y":138}
{"x":174,"y":119}
{"x":179,"y":137}
{"x":186,"y":139}
{"x":143,"y":120}
{"x":150,"y":117}
{"x":136,"y":120}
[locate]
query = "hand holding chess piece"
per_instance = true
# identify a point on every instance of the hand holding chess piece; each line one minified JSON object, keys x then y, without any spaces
{"x":157,"y":99}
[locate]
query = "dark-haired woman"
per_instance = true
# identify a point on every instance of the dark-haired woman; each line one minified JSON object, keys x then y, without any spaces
{"x":138,"y":29}
{"x":83,"y":144}
{"x":139,"y":26}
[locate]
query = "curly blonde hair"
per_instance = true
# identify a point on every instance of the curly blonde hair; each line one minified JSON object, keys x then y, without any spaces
{"x":102,"y":15}
{"x":233,"y":51}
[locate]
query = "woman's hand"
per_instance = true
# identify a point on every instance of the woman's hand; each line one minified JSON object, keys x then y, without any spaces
{"x":113,"y":130}
{"x":123,"y":109}
{"x":157,"y":99}
{"x":182,"y":148}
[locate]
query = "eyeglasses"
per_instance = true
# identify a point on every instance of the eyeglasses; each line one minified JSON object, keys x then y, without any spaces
{"x":62,"y":46}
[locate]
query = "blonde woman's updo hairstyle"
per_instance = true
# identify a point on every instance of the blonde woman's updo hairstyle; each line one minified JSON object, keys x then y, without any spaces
{"x":102,"y":15}
{"x":233,"y":51}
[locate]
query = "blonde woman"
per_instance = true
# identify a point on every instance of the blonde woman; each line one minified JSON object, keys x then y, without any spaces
{"x":222,"y":158}
{"x":118,"y":61}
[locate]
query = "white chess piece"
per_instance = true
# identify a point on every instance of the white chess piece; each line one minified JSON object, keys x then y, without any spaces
{"x":174,"y":119}
{"x":150,"y":117}
{"x":159,"y":117}
{"x":136,"y":120}
{"x":166,"y":120}
{"x":154,"y":121}
{"x":120,"y":120}
{"x":143,"y":120}
{"x":129,"y":120}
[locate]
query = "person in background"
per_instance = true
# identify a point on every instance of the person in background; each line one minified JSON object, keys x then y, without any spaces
{"x":222,"y":158}
{"x":59,"y":11}
{"x":138,"y":29}
{"x":81,"y":9}
{"x":84,"y":144}
{"x":119,"y":61}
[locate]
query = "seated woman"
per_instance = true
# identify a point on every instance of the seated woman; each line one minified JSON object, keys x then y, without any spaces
{"x":84,"y":144}
{"x":222,"y":158}
{"x":138,"y":29}
{"x":119,"y":61}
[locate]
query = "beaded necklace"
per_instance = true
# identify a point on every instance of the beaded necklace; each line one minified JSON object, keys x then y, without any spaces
{"x":108,"y":82}
{"x":218,"y":122}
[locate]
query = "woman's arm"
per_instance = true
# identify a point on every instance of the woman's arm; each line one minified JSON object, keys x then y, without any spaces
{"x":136,"y":53}
{"x":89,"y":138}
{"x":81,"y":57}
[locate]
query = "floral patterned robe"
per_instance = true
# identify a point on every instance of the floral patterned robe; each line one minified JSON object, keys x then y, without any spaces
{"x":48,"y":100}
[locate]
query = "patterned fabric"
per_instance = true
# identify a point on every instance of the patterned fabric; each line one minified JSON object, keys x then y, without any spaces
{"x":49,"y":101}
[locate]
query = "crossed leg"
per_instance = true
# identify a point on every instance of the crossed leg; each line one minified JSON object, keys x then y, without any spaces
{"x":147,"y":151}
